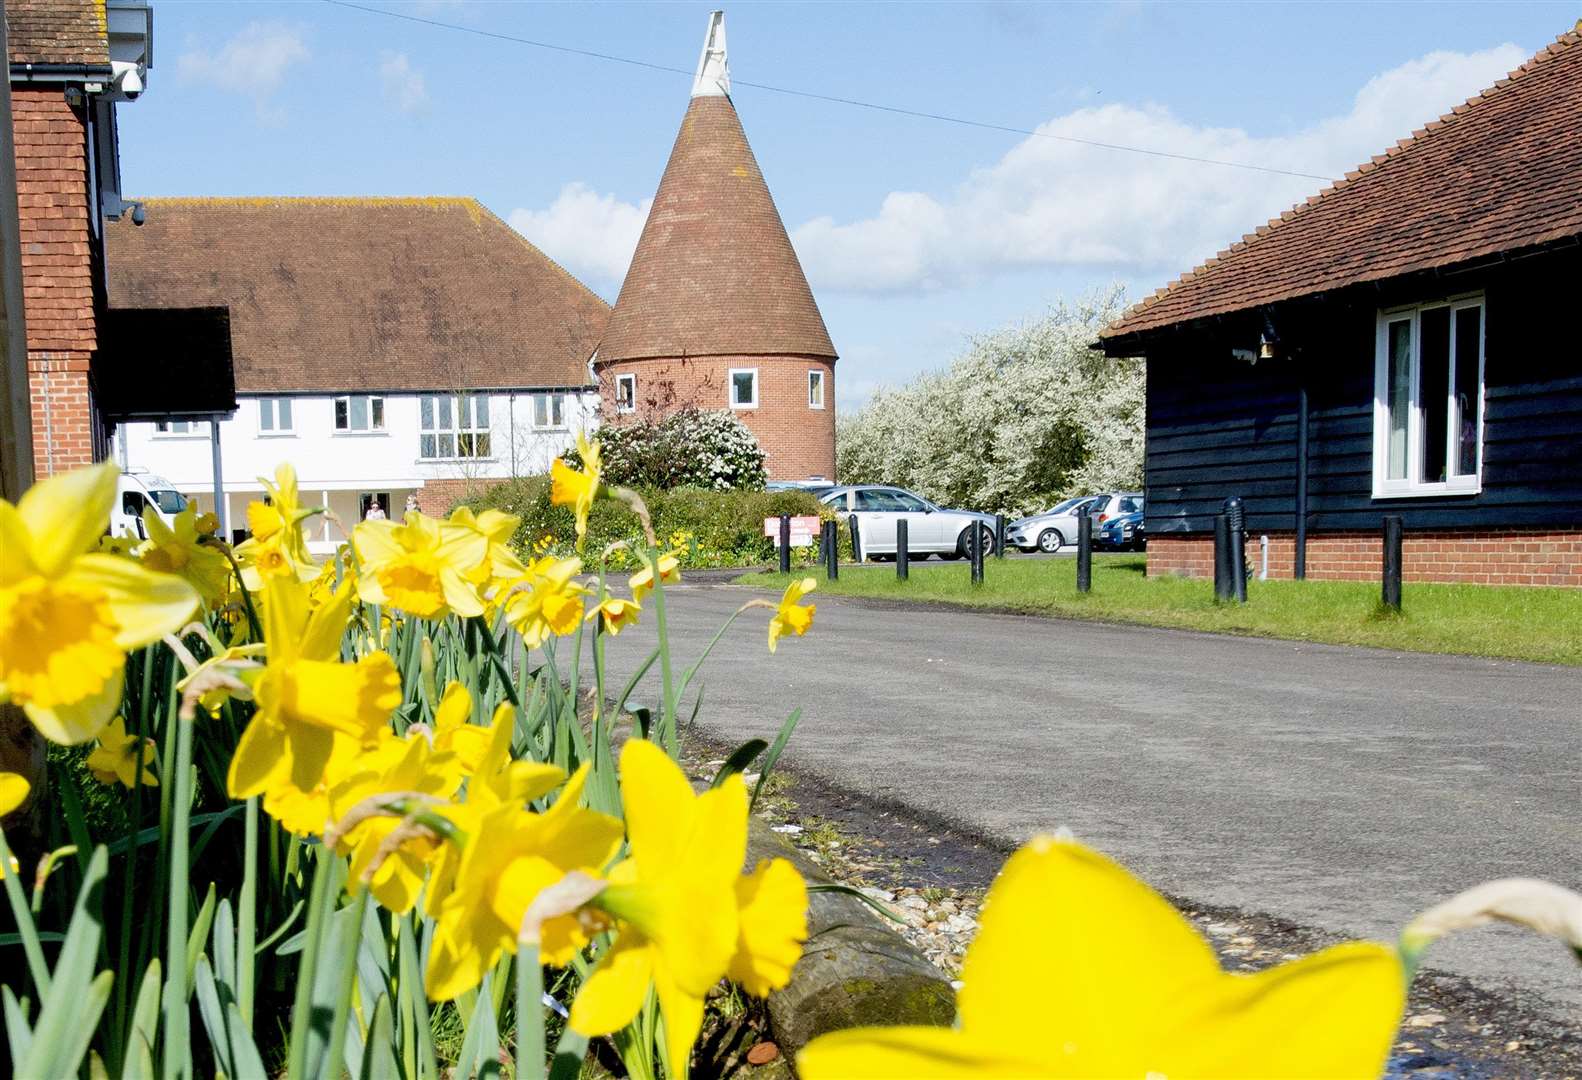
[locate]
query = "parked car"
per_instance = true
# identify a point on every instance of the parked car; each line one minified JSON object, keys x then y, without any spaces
{"x":138,"y":491}
{"x":812,"y":487}
{"x":929,"y":529}
{"x":1051,"y":530}
{"x":1122,"y":532}
{"x":1109,"y":505}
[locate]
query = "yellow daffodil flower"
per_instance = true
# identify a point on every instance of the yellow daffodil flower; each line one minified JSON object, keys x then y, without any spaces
{"x":454,"y":733}
{"x":421,"y":566}
{"x":415,"y":769}
{"x":771,"y":908}
{"x":675,"y":898}
{"x":240,"y":662}
{"x":179,"y":550}
{"x":323,"y":585}
{"x":314,"y":714}
{"x":496,"y":527}
{"x":207,"y":523}
{"x":545,"y":602}
{"x":569,"y":487}
{"x":642,"y":582}
{"x":14,"y":790}
{"x":618,"y":614}
{"x":277,"y":544}
{"x":510,"y":857}
{"x":791,"y":616}
{"x":118,"y":757}
{"x":68,"y":618}
{"x":1081,"y":970}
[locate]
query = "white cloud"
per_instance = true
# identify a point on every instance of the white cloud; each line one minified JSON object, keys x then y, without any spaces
{"x":1048,"y":203}
{"x":592,"y":235}
{"x":254,"y":62}
{"x":402,"y":83}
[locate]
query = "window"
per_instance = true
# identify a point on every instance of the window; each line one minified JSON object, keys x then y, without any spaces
{"x":744,"y":388}
{"x":549,"y":410}
{"x":359,"y":413}
{"x":274,"y":416}
{"x":182,"y":427}
{"x":625,"y":393}
{"x":1428,"y":400}
{"x":453,"y":426}
{"x":815,"y":389}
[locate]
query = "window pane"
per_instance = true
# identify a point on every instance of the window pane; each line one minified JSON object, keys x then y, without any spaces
{"x":266,"y":415}
{"x":359,"y":414}
{"x":444,"y":406}
{"x":1399,"y":388}
{"x":377,"y":408}
{"x":447,"y":446}
{"x":425,"y":411}
{"x":815,"y":389}
{"x":283,"y":413}
{"x":742,"y":388}
{"x":480,"y":443}
{"x":557,"y":405}
{"x":1469,"y":333}
{"x":342,"y":417}
{"x":425,"y":446}
{"x":625,"y":391}
{"x":1434,"y":392}
{"x":540,"y":411}
{"x":464,"y":444}
{"x":480,"y":411}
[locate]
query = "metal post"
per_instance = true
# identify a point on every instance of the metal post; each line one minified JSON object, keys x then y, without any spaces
{"x":975,"y":548}
{"x":832,"y":550}
{"x":1238,"y":564}
{"x":856,"y":539}
{"x":1085,"y":554}
{"x":1392,"y":562}
{"x":901,"y":553}
{"x":785,"y":543}
{"x":999,"y":536}
{"x":1223,"y":587}
{"x":221,"y":511}
{"x":1299,"y":568}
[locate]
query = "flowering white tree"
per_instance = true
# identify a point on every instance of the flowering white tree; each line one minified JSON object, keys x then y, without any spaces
{"x":1027,"y":415}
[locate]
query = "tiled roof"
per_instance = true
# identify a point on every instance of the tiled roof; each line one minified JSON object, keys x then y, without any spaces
{"x":334,"y":294}
{"x":714,"y":272}
{"x":57,"y":32}
{"x":1500,"y":173}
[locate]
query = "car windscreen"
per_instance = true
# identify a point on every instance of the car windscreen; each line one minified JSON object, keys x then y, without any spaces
{"x":1062,"y":507}
{"x":1097,"y":505}
{"x":169,"y":501}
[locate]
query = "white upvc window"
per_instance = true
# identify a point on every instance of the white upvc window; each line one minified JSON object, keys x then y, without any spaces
{"x":453,"y":426}
{"x":1428,"y":400}
{"x":359,"y":412}
{"x":815,"y":389}
{"x":181,"y":427}
{"x":625,"y":393}
{"x":549,"y":412}
{"x":274,"y":416}
{"x":744,"y":388}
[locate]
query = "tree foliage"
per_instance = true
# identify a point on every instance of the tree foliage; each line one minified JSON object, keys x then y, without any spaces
{"x":697,"y":448}
{"x":1026,"y":416}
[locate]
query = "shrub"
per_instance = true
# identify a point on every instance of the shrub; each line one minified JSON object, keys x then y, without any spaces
{"x":694,"y":448}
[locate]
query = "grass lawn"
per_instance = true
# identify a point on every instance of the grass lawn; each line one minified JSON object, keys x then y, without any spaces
{"x":1481,"y":620}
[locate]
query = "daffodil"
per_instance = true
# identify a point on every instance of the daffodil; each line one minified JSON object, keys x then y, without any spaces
{"x":119,"y":757}
{"x":771,"y":909}
{"x":618,"y":614}
{"x":421,"y":566}
{"x":453,"y":731}
{"x":496,"y":527}
{"x":791,"y":616}
{"x":67,"y":617}
{"x":225,"y":676}
{"x":675,"y":898}
{"x":1081,"y":970}
{"x":511,"y":856}
{"x":277,"y":544}
{"x":14,"y":790}
{"x":545,"y":602}
{"x":577,"y":489}
{"x":179,"y":549}
{"x":314,"y":714}
{"x":642,"y":582}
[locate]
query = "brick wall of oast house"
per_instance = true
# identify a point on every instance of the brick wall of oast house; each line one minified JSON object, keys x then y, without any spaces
{"x":1504,"y":557}
{"x":798,"y":442}
{"x":57,"y":275}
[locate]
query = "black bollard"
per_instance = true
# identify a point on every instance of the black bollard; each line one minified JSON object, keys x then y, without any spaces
{"x":856,"y":539}
{"x":1224,"y":586}
{"x":901,"y":554}
{"x":831,"y":532}
{"x":999,"y":536}
{"x":1392,"y":562}
{"x":1236,"y":515}
{"x":785,"y":543}
{"x":1085,"y":554}
{"x":975,"y":549}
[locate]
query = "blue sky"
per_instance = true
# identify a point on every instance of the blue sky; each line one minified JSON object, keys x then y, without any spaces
{"x":915,"y":234}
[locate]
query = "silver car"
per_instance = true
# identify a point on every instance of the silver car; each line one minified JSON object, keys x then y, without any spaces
{"x":929,"y":528}
{"x":1053,"y":529}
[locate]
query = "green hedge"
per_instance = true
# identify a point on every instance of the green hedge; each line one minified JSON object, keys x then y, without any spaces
{"x":714,"y":528}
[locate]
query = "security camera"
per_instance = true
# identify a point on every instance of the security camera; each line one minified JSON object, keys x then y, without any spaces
{"x":128,"y":78}
{"x":139,"y":215}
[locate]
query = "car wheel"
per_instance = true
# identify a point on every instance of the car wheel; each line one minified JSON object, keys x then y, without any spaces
{"x":1050,"y":541}
{"x":985,"y":538}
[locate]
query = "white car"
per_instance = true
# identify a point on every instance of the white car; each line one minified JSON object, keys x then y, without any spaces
{"x":1053,"y":529}
{"x":929,"y":529}
{"x":136,"y":492}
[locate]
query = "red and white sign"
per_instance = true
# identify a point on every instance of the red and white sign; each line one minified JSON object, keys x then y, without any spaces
{"x":804,"y":530}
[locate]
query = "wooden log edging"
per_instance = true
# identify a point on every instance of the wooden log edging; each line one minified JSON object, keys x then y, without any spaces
{"x":854,"y":969}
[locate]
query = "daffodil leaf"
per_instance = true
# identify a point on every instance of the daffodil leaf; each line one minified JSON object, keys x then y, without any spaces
{"x":19,"y":1033}
{"x":742,"y":757}
{"x":773,"y":757}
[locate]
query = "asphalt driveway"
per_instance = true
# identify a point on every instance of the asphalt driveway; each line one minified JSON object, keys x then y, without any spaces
{"x":1341,"y":788}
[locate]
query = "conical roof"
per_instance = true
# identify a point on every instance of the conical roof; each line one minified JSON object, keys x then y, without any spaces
{"x":714,"y":273}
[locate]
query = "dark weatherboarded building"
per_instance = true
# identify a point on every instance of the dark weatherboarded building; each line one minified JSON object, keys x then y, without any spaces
{"x":1405,"y":342}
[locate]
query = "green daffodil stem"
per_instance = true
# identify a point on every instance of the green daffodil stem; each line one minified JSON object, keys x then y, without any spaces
{"x":324,"y":872}
{"x":348,"y":974}
{"x":498,"y":659}
{"x":247,"y":914}
{"x":529,"y":1013}
{"x":178,"y":1047}
{"x":667,"y":711}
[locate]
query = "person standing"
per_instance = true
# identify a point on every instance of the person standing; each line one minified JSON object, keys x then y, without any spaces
{"x":375,"y":511}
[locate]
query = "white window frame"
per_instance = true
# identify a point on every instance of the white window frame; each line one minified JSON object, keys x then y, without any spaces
{"x":549,"y":412}
{"x":631,"y":399}
{"x":463,"y":407}
{"x":730,"y":387}
{"x":188,"y":429}
{"x":815,"y":374}
{"x":372,"y":427}
{"x":273,"y":405}
{"x":1384,"y":487}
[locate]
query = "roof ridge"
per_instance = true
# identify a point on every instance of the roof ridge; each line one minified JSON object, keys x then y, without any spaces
{"x":1567,"y":39}
{"x":218,"y":201}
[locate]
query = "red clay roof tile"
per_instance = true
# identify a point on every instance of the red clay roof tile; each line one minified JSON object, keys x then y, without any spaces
{"x":57,"y":32}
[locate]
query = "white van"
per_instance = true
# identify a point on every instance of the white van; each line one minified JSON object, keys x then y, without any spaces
{"x":137,"y":491}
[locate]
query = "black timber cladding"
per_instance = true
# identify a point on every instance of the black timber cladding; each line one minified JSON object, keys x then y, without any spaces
{"x":1219,"y":427}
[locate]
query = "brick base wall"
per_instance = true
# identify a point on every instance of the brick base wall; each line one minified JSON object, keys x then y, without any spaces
{"x":65,"y":434}
{"x":1505,"y":557}
{"x":436,"y":497}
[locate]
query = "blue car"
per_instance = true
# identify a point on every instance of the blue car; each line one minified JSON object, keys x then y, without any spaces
{"x":1124,"y":532}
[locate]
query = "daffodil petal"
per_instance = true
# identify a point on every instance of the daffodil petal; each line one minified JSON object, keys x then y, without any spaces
{"x":683,"y":1016}
{"x":78,"y":721}
{"x":145,"y":606}
{"x":258,"y":757}
{"x":14,"y":790}
{"x":460,"y":595}
{"x":658,"y":800}
{"x":615,"y":988}
{"x":67,"y":513}
{"x":16,"y":547}
{"x":915,"y":1053}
